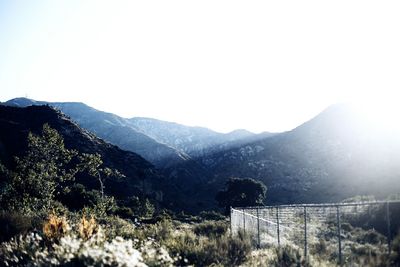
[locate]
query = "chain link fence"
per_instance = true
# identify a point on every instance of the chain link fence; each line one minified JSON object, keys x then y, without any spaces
{"x":338,"y":227}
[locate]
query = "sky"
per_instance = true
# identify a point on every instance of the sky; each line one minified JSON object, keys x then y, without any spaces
{"x":225,"y":65}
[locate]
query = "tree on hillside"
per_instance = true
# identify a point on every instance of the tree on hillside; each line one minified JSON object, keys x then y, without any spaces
{"x":92,"y":163}
{"x":39,"y":174}
{"x":242,"y":192}
{"x":44,"y":171}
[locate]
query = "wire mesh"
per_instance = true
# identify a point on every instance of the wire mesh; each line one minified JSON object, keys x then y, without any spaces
{"x":338,"y":227}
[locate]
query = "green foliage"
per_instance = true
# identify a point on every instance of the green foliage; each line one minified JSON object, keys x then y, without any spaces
{"x":211,"y":228}
{"x":39,"y":175}
{"x":212,"y":215}
{"x":12,"y":224}
{"x":45,"y":174}
{"x":370,"y":236}
{"x":124,"y":212}
{"x":395,"y":256}
{"x":242,"y":192}
{"x":76,"y":197}
{"x":116,"y":226}
{"x":141,"y":207}
{"x":104,"y":207}
{"x":92,"y":164}
{"x":224,"y":250}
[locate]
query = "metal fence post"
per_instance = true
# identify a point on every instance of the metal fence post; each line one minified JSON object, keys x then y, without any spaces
{"x":277,"y":225}
{"x":244,"y":222}
{"x":389,"y":234}
{"x":305,"y":231}
{"x":230,"y":220}
{"x":258,"y":228}
{"x":339,"y":234}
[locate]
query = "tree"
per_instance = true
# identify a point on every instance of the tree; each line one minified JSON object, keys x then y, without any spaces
{"x":92,"y":163}
{"x":242,"y":192}
{"x":39,"y":175}
{"x":43,"y":173}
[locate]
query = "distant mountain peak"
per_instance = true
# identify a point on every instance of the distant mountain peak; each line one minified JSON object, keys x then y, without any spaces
{"x":20,"y":102}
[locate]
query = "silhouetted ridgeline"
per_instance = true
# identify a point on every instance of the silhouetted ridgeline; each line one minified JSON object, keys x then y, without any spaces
{"x":16,"y":123}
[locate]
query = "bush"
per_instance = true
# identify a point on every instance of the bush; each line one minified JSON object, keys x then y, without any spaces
{"x":30,"y":250}
{"x":86,"y":244}
{"x":124,"y":212}
{"x":13,"y":224}
{"x":212,"y":215}
{"x":395,"y":256}
{"x":288,"y":256}
{"x":211,"y":228}
{"x":77,"y":197}
{"x":116,"y":226}
{"x":371,"y":237}
{"x":141,"y":207}
{"x":225,"y":250}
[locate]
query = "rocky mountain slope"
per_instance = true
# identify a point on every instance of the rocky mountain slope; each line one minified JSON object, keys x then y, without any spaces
{"x":163,"y":143}
{"x":338,"y":154}
{"x":114,"y":129}
{"x":16,"y":123}
{"x":183,"y":186}
{"x":195,"y":141}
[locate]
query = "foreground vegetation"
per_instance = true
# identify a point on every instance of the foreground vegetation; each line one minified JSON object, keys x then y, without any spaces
{"x":49,"y":218}
{"x":78,"y":239}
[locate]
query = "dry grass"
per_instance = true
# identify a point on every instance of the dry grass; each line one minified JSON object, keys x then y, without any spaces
{"x":55,"y":227}
{"x":87,"y":227}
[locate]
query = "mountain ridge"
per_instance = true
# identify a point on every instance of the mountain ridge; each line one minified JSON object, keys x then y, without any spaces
{"x":17,"y":122}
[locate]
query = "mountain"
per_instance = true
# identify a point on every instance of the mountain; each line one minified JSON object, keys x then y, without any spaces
{"x":171,"y":147}
{"x":114,"y":129}
{"x":194,"y":141}
{"x":337,"y":154}
{"x":160,"y":142}
{"x":16,"y":123}
{"x":185,"y":178}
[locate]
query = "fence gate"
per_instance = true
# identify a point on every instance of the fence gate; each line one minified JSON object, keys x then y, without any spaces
{"x":316,"y":227}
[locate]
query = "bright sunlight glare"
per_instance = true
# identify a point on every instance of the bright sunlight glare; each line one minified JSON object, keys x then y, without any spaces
{"x":380,"y":112}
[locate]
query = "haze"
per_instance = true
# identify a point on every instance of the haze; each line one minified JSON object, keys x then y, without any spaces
{"x":259,"y":65}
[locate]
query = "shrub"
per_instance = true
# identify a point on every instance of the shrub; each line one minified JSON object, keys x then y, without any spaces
{"x":225,"y":250}
{"x":395,"y":256}
{"x":142,"y":208}
{"x":212,"y":215}
{"x":124,"y":212}
{"x":346,"y":227}
{"x":70,"y":251}
{"x":162,"y":230}
{"x":371,"y":237}
{"x":238,"y":248}
{"x":12,"y":224}
{"x":155,"y":255}
{"x":287,"y":256}
{"x":77,"y":197}
{"x":211,"y":228}
{"x":115,"y":226}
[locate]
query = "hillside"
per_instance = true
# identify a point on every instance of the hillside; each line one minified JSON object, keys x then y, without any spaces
{"x":163,"y":143}
{"x":114,"y":129}
{"x":16,"y":123}
{"x":337,"y":154}
{"x":195,"y":141}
